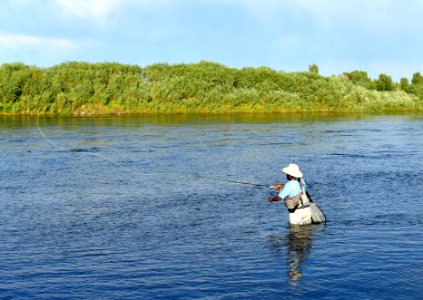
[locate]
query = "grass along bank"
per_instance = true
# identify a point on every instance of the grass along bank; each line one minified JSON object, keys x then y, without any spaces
{"x":79,"y":88}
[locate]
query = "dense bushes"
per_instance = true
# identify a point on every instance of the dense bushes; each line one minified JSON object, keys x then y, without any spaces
{"x":85,"y":88}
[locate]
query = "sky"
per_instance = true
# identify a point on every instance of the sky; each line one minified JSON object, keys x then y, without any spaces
{"x":376,"y":36}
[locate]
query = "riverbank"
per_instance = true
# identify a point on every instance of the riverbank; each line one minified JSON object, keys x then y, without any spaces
{"x":78,"y":88}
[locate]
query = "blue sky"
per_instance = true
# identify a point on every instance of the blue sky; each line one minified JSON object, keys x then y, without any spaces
{"x":377,"y":36}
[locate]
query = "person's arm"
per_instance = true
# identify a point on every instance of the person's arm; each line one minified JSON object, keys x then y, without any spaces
{"x":282,"y":194}
{"x":278,"y":186}
{"x":274,"y":199}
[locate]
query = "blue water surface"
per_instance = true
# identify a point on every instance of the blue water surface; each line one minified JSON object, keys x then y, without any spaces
{"x":141,"y":208}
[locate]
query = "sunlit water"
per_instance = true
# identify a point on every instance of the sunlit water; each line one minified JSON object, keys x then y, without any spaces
{"x":75,"y":225}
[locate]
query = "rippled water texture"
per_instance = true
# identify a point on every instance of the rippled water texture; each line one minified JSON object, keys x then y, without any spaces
{"x":165,"y":224}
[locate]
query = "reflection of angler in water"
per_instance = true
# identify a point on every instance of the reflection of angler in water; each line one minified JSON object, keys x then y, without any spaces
{"x":298,"y":248}
{"x":297,"y":243}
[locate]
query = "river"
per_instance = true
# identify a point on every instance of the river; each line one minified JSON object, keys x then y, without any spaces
{"x":145,"y":207}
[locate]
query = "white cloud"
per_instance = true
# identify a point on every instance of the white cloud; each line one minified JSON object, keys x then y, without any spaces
{"x":264,"y":10}
{"x":38,"y":50}
{"x":100,"y":10}
{"x":8,"y":40}
{"x":89,"y":9}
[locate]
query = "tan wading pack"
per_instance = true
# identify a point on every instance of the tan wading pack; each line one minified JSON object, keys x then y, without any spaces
{"x":292,"y":203}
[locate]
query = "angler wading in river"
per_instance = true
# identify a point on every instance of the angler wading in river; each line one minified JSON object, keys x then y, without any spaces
{"x":302,"y":210}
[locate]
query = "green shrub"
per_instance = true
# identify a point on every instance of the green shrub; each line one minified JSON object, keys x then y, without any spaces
{"x":80,"y":87}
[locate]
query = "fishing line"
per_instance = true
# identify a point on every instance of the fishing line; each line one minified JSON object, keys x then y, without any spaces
{"x":44,"y":136}
{"x":95,"y":154}
{"x":195,"y":176}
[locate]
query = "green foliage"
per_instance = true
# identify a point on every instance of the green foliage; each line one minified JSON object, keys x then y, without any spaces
{"x":360,"y":78}
{"x":417,"y":85}
{"x":68,"y":87}
{"x":384,"y":83}
{"x":104,"y":88}
{"x":404,"y":84}
{"x":313,"y":68}
{"x":417,"y":79}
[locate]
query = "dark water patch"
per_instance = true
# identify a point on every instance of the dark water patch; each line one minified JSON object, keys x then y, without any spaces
{"x":92,"y":149}
{"x":377,"y":155}
{"x":348,"y":155}
{"x":16,"y":140}
{"x":389,"y":221}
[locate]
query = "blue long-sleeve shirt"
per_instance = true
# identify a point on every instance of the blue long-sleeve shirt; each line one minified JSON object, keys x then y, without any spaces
{"x":292,"y":188}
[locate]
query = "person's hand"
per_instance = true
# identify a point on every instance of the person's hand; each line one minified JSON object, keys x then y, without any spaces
{"x":278,"y":186}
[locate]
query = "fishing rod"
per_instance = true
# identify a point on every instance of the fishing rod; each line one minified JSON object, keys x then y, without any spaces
{"x":242,"y":182}
{"x":247,"y":183}
{"x":257,"y":185}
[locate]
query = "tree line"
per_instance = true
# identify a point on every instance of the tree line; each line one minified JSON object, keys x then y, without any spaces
{"x":106,"y":88}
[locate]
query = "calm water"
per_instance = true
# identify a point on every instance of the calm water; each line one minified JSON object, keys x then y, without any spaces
{"x":73,"y":225}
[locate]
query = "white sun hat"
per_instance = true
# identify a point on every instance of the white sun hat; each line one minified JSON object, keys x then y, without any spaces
{"x":293,"y":170}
